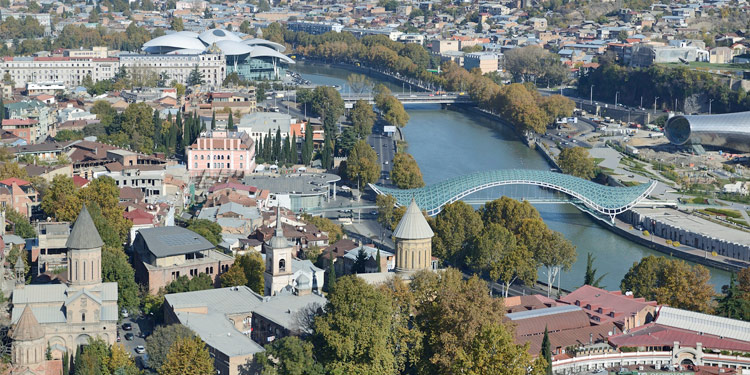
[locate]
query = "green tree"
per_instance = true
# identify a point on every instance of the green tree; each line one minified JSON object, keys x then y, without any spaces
{"x":12,"y":169}
{"x":230,"y":123}
{"x":289,"y":356}
{"x":307,"y":145}
{"x":732,"y":303}
{"x":196,"y":77}
{"x":557,"y":254}
{"x":19,"y":223}
{"x":362,"y":164}
{"x":120,"y":362}
{"x":235,"y":276}
{"x":455,"y":226}
{"x":12,"y":257}
{"x":405,"y":173}
{"x":330,"y":274}
{"x":394,"y":112}
{"x":188,"y":356}
{"x":253,"y":266}
{"x":329,"y":106}
{"x":576,"y":161}
{"x":386,"y":210}
{"x":208,"y":229}
{"x":363,"y":118}
{"x":590,"y":276}
{"x":546,"y":351}
{"x":116,"y":268}
{"x":508,"y":212}
{"x":352,"y":334}
{"x":161,"y":340}
{"x":176,"y":24}
{"x":494,"y":251}
{"x":452,"y":313}
{"x":672,"y":282}
{"x":493,"y":351}
{"x":184,"y":284}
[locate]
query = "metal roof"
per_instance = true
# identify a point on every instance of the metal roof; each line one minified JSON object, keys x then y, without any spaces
{"x":604,"y":199}
{"x":84,"y":234}
{"x":233,"y":48}
{"x":262,"y":51}
{"x":172,"y":42}
{"x":169,"y":241}
{"x":413,"y":225}
{"x":212,"y":36}
{"x":262,"y":42}
{"x":542,"y":312}
{"x":708,"y":324}
{"x":730,"y":130}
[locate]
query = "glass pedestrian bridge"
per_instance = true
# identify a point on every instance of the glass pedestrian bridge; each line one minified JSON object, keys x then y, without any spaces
{"x":606,"y":200}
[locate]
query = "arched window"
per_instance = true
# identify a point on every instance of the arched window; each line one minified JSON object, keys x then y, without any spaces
{"x":282,"y":265}
{"x":83,"y":317}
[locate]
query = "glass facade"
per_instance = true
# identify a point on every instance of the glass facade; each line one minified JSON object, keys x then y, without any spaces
{"x":256,"y":68}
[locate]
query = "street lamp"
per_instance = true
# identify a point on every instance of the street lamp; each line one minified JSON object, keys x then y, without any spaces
{"x":655,"y":99}
{"x":591,"y":95}
{"x":616,"y":94}
{"x":709,"y":105}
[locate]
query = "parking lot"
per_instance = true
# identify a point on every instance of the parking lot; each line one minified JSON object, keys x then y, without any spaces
{"x":141,"y":327}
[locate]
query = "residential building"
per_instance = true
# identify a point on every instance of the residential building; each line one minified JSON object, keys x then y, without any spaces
{"x":96,"y":52}
{"x":58,"y":318}
{"x":720,"y":55}
{"x":646,"y":55}
{"x":178,"y":66}
{"x":445,"y":45}
{"x":26,"y":129}
{"x":163,"y":254}
{"x":233,"y":217}
{"x":486,"y":62}
{"x":68,"y":70}
{"x":538,"y":23}
{"x":34,"y":110}
{"x":349,"y":261}
{"x":19,"y":195}
{"x":220,"y":153}
{"x":315,"y":28}
{"x":258,"y":124}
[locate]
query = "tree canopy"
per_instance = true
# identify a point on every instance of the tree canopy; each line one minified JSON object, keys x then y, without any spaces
{"x":576,"y":161}
{"x":187,"y":356}
{"x":160,"y":342}
{"x":405,"y":172}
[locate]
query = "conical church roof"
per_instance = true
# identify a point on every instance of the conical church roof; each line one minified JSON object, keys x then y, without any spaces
{"x":27,"y":328}
{"x":413,"y":225}
{"x":84,"y":234}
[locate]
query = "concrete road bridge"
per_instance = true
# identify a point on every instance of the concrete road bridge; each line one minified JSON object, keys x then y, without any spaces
{"x":414,"y":98}
{"x":605,"y":200}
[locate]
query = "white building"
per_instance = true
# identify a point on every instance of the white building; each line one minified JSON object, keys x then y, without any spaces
{"x":178,"y":67}
{"x":70,"y":71}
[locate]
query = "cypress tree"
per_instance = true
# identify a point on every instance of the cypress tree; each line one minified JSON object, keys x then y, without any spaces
{"x":547,"y":351}
{"x":158,"y":141}
{"x":307,"y":152}
{"x":284,"y":151}
{"x":2,"y":111}
{"x":213,"y":120}
{"x":331,"y":277}
{"x":293,"y":150}
{"x":277,"y":145}
{"x":377,"y":260}
{"x":230,"y":122}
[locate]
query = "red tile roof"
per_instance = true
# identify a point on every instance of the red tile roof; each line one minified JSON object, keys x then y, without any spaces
{"x":592,"y":299}
{"x":654,"y":334}
{"x":139,"y":217}
{"x":14,"y":180}
{"x":80,"y":181}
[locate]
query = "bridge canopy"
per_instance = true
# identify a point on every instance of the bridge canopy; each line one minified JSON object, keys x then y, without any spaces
{"x":607,"y":200}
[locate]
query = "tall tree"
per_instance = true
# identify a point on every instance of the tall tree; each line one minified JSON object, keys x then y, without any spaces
{"x":116,"y":268}
{"x":546,"y":351}
{"x":363,"y":118}
{"x":590,"y":276}
{"x":493,"y":351}
{"x":733,"y":303}
{"x":160,"y":342}
{"x":329,"y":106}
{"x":576,"y":161}
{"x":557,"y":254}
{"x":386,"y":207}
{"x":455,"y":226}
{"x":188,"y":356}
{"x":672,"y":282}
{"x":253,"y":266}
{"x":362,"y":164}
{"x":196,"y":77}
{"x":289,"y":356}
{"x":494,"y":251}
{"x":508,"y":212}
{"x":307,"y":146}
{"x":230,"y":123}
{"x":235,"y":276}
{"x":352,"y":334}
{"x":405,"y":173}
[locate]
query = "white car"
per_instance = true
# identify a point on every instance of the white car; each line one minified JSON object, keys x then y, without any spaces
{"x":125,"y":313}
{"x":140,"y":349}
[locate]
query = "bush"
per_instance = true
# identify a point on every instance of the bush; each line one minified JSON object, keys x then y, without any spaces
{"x":676,"y":244}
{"x":669,"y":242}
{"x":646,"y":233}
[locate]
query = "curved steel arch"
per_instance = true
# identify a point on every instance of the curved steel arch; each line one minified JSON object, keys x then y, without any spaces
{"x":607,"y":200}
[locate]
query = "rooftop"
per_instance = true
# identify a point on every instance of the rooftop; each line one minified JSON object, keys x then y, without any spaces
{"x":296,"y":184}
{"x":170,"y":241}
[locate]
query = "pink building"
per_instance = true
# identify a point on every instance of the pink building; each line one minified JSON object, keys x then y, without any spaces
{"x":221,"y":153}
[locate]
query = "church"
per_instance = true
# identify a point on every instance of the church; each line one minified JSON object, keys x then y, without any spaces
{"x":62,"y":317}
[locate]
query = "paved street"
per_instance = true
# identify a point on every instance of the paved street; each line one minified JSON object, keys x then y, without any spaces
{"x":142,"y":327}
{"x":386,"y":149}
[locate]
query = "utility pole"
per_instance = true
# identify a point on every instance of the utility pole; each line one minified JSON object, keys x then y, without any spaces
{"x":591,"y":95}
{"x":641,"y":101}
{"x":655,"y":99}
{"x":709,"y":105}
{"x":616,"y":94}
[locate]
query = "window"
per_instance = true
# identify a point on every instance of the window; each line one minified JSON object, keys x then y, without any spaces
{"x":196,"y":157}
{"x":282,"y":265}
{"x":201,"y":157}
{"x":241,"y":156}
{"x":83,"y":317}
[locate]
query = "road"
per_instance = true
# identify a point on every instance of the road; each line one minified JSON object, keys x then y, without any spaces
{"x":142,"y":327}
{"x":386,"y":149}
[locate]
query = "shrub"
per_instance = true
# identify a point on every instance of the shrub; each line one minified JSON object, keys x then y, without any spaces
{"x":646,"y":233}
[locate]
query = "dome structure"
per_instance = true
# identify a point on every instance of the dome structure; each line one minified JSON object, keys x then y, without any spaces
{"x":261,"y":51}
{"x":212,"y":36}
{"x":267,"y":43}
{"x":413,"y":225}
{"x":233,"y":48}
{"x":173,"y":42}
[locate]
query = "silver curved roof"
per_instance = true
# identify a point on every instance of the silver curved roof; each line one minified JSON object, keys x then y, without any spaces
{"x":186,"y":51}
{"x":232,"y":48}
{"x":731,"y":130}
{"x":212,"y":36}
{"x":261,"y":51}
{"x":262,"y":42}
{"x":188,"y":34}
{"x":173,"y":41}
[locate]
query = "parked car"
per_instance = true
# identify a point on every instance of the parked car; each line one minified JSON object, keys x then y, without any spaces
{"x":140,"y":349}
{"x":129,"y":336}
{"x":127,"y":327}
{"x":125,"y":313}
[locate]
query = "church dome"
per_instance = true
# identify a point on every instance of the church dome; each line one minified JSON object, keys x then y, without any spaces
{"x":84,"y":234}
{"x":413,"y":225}
{"x":27,"y":328}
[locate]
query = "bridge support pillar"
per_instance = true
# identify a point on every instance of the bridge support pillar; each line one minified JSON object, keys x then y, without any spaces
{"x":334,"y":191}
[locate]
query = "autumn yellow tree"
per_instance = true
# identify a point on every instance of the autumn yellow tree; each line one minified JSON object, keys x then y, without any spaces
{"x":188,"y":356}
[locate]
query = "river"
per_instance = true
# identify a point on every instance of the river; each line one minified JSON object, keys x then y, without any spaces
{"x":448,"y":144}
